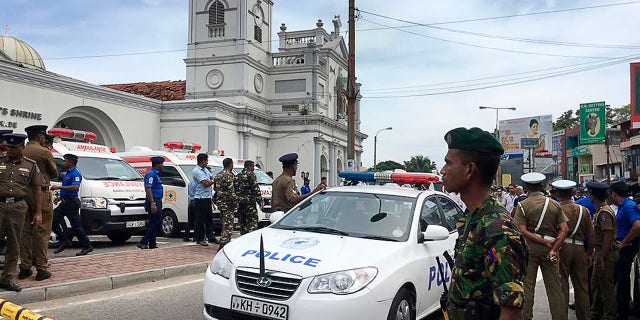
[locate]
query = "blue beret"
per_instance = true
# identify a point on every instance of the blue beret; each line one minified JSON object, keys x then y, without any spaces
{"x":474,"y":139}
{"x":36,"y":129}
{"x":287,"y":158}
{"x":14,"y":139}
{"x":157,"y":159}
{"x":597,"y":185}
{"x":70,"y":157}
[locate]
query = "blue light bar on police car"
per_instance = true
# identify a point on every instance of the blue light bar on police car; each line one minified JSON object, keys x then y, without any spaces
{"x":384,"y":177}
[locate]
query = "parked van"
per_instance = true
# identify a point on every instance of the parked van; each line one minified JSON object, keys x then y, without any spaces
{"x":112,"y":193}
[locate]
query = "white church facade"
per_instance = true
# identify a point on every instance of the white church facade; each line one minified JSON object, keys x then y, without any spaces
{"x":238,"y":96}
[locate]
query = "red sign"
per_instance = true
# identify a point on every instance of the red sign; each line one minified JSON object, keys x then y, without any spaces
{"x":635,"y":95}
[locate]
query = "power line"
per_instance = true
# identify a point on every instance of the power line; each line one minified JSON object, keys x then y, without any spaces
{"x":487,"y":47}
{"x":526,"y":14}
{"x":538,"y":41}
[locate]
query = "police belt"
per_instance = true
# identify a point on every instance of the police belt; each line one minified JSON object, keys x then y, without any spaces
{"x":11,"y":199}
{"x":545,"y":237}
{"x":574,"y":241}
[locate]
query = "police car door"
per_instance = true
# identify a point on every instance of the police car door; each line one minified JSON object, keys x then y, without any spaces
{"x":429,"y":286}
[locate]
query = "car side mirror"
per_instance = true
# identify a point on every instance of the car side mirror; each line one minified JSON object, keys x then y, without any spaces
{"x":178,"y":182}
{"x":433,"y":233}
{"x":275,"y":216}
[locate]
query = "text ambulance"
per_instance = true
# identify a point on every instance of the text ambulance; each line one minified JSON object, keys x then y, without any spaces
{"x":112,"y":192}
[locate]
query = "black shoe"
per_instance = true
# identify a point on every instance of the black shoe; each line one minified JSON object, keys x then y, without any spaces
{"x":11,"y":286}
{"x":84,"y":251}
{"x":42,"y":275}
{"x":142,"y":246}
{"x":186,"y":239}
{"x":62,"y":246}
{"x":25,"y":273}
{"x":572,"y":305}
{"x":153,"y":247}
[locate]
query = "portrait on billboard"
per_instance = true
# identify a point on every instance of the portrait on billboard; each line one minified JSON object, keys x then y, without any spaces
{"x":534,"y":132}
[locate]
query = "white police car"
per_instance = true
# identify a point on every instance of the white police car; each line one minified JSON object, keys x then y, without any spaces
{"x":358,"y":252}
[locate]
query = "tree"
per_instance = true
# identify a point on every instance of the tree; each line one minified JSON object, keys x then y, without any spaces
{"x":618,"y":115}
{"x":388,"y":165}
{"x":419,"y":163}
{"x":567,"y":120}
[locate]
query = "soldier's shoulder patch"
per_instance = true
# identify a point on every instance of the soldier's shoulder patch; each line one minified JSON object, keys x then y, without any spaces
{"x":29,"y":160}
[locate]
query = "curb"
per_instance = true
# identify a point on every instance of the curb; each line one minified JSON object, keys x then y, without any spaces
{"x":76,"y":288}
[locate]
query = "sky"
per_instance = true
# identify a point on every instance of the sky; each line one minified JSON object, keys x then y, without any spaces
{"x":391,"y":63}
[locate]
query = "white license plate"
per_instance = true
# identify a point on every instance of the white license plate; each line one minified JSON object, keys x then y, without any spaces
{"x":135,"y":224}
{"x":261,"y":308}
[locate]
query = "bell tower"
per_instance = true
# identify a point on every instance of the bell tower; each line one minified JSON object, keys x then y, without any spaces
{"x":226,"y":39}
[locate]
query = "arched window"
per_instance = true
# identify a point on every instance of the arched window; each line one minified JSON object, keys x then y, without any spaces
{"x":216,"y":13}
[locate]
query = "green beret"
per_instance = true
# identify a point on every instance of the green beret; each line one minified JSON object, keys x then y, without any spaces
{"x":474,"y":139}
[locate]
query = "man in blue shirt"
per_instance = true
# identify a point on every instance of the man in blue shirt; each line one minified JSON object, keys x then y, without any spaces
{"x":70,"y":207}
{"x":202,"y":196}
{"x":305,"y":189}
{"x":191,"y":187}
{"x":153,"y":203}
{"x":628,"y":225}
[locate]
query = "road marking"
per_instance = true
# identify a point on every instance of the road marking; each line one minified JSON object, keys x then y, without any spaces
{"x":72,"y":304}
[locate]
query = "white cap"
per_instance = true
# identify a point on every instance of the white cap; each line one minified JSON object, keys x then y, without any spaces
{"x":533,"y":178}
{"x":564,"y":184}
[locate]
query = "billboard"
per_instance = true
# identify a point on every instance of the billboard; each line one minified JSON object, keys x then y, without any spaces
{"x":635,"y":95}
{"x":512,"y":132}
{"x":592,"y":122}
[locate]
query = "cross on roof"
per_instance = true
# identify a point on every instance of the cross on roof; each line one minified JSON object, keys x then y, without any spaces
{"x":6,"y":29}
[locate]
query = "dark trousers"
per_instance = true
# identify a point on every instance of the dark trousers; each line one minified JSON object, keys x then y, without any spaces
{"x":623,"y":282}
{"x":155,"y":223}
{"x":189,"y":226}
{"x":202,"y":217}
{"x":70,"y":208}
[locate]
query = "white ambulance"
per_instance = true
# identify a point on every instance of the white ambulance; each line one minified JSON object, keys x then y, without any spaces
{"x":180,"y":159}
{"x":112,"y":192}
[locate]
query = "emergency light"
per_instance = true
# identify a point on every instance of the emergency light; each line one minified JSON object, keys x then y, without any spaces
{"x":383,"y":177}
{"x":71,"y":134}
{"x":182,"y":146}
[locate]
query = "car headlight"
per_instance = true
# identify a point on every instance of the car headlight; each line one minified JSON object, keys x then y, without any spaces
{"x":221,"y":265}
{"x":343,"y":282}
{"x":94,"y":203}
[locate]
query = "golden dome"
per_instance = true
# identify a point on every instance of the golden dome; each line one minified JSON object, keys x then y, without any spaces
{"x":19,"y":51}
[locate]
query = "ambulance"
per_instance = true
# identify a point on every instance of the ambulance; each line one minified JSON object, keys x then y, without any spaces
{"x":179,"y":161}
{"x":112,"y":193}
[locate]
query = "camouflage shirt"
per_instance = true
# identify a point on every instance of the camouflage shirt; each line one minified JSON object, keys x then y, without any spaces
{"x":247,"y":188}
{"x":224,"y":187}
{"x":490,"y":263}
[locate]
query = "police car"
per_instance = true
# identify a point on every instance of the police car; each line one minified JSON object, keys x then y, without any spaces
{"x":355,"y":252}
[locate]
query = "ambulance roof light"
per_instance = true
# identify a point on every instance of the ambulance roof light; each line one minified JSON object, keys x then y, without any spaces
{"x":384,"y":177}
{"x":193,"y":147}
{"x":75,"y":135}
{"x":218,"y":153}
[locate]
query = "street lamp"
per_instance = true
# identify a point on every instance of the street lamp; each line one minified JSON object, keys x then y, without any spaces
{"x":496,"y":133}
{"x":375,"y":146}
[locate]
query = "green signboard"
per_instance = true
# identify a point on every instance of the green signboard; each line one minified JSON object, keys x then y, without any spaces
{"x":592,"y":122}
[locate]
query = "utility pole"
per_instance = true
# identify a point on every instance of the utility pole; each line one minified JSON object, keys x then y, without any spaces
{"x":351,"y":87}
{"x":606,"y":145}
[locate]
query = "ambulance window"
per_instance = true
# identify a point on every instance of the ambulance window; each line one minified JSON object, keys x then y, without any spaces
{"x":451,"y":212}
{"x":169,"y":172}
{"x":430,"y":214}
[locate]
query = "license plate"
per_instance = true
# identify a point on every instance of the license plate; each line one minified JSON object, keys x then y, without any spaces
{"x":260,"y":308}
{"x":135,"y":224}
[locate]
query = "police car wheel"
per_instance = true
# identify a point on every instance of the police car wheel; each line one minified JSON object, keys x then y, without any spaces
{"x":403,"y":306}
{"x":170,"y":227}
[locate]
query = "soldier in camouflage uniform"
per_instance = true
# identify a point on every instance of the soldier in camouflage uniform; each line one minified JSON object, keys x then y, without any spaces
{"x":224,"y":187}
{"x":248,"y":192}
{"x":490,"y":254}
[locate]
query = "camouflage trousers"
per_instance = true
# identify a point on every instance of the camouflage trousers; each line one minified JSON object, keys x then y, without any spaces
{"x":247,"y":217}
{"x":227,"y":211}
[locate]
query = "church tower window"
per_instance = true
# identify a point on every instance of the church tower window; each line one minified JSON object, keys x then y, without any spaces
{"x":216,"y":19}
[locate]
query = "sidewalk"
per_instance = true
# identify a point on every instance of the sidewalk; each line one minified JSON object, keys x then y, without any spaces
{"x":100,"y":272}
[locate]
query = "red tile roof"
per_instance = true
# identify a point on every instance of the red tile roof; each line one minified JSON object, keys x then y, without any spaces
{"x":162,"y":90}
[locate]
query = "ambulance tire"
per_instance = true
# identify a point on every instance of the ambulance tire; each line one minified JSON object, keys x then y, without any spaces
{"x":403,"y":306}
{"x":119,"y":236}
{"x":170,"y":225}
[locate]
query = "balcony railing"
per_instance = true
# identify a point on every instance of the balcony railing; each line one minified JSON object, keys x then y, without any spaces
{"x":288,"y":60}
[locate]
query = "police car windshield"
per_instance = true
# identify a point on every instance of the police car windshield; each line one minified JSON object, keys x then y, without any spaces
{"x":107,"y":169}
{"x":360,"y":215}
{"x":262,"y":177}
{"x":188,"y":169}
